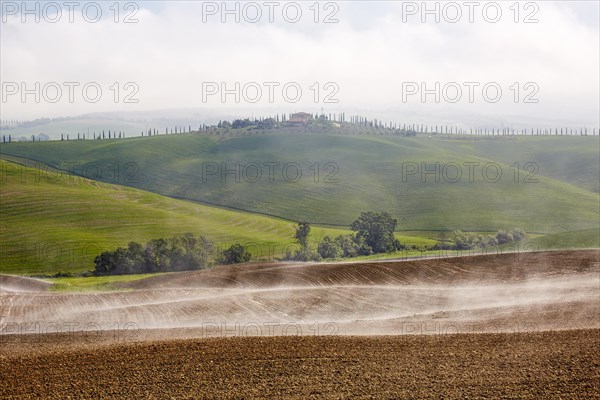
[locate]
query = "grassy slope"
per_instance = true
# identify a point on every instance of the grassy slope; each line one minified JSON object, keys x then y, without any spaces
{"x":589,"y":238}
{"x":62,"y":224}
{"x":570,"y":159}
{"x":369,"y":177}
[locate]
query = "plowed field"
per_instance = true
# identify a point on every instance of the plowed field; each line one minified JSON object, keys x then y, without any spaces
{"x":517,"y":326}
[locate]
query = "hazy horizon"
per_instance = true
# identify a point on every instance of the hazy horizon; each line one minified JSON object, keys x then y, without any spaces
{"x":377,"y":59}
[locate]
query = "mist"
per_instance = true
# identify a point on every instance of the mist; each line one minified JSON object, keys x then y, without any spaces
{"x":256,"y":302}
{"x":386,"y":45}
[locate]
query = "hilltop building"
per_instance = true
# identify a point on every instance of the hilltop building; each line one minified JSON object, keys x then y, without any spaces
{"x":299,"y":119}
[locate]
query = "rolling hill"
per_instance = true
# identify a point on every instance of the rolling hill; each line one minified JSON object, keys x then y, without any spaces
{"x":427,"y":183}
{"x":61,"y":224}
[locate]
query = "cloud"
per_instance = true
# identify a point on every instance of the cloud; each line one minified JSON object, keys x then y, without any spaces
{"x":368,"y":54}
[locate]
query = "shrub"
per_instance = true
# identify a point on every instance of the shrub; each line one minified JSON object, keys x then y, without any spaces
{"x":236,"y":253}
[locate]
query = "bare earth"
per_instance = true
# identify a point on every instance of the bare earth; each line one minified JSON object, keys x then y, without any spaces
{"x":506,"y":326}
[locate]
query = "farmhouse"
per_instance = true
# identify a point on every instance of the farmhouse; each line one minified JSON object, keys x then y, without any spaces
{"x":299,"y":119}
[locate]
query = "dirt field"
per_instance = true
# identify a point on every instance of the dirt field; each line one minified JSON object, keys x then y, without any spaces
{"x":508,"y":326}
{"x":10,"y":283}
{"x":506,"y":293}
{"x":549,"y":365}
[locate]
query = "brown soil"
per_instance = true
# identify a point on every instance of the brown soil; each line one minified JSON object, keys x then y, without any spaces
{"x":547,"y":365}
{"x":528,"y":327}
{"x":10,"y":283}
{"x":507,"y":293}
{"x":508,"y":267}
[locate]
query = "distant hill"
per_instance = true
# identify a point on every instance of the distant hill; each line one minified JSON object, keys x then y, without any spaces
{"x":53,"y":129}
{"x":554,"y":190}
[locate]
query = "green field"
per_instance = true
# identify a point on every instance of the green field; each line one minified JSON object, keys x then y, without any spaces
{"x":57,"y":220}
{"x":558,"y":193}
{"x":574,"y":160}
{"x":589,"y":238}
{"x":61,"y":224}
{"x":93,"y":283}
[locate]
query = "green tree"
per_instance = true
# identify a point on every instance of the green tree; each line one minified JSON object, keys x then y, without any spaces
{"x":329,"y":248}
{"x":236,"y":253}
{"x":349,"y":247}
{"x":519,"y":234}
{"x":302,"y":233}
{"x":462,"y":240}
{"x":492,"y":241}
{"x":103,"y":263}
{"x":504,"y":237}
{"x":376,"y":230}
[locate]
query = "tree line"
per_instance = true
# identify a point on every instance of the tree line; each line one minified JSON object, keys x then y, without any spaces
{"x":469,"y":241}
{"x":280,"y":121}
{"x":178,"y":253}
{"x":372,"y":233}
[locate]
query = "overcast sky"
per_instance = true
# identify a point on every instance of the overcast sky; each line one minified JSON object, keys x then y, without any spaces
{"x":373,"y":58}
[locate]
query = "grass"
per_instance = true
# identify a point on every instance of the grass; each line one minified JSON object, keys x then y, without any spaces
{"x":569,"y":159}
{"x":589,"y":238}
{"x":366,"y":174}
{"x":92,"y":283}
{"x":61,"y":224}
{"x":53,"y":220}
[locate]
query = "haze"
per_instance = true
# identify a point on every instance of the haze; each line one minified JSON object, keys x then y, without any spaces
{"x":368,"y":54}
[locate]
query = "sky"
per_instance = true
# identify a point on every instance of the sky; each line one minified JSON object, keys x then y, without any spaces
{"x":472,"y":63}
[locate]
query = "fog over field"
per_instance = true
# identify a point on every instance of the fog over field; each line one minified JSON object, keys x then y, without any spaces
{"x":386,"y":298}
